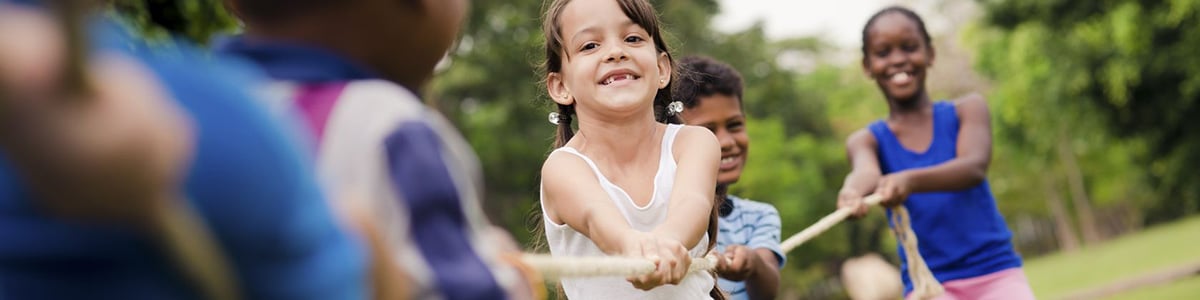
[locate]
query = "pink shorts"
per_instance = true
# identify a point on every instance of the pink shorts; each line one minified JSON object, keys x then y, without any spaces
{"x":1007,"y":284}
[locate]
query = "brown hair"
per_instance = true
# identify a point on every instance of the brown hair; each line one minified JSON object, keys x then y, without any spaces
{"x":642,"y":14}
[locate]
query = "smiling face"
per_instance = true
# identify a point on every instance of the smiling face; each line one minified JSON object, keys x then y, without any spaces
{"x":897,"y":55}
{"x":609,"y":64}
{"x":722,"y":114}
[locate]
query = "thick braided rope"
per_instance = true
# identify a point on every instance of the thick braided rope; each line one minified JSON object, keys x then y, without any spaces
{"x":555,"y":268}
{"x":925,"y":286}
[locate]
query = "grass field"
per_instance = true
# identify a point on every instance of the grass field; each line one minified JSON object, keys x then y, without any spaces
{"x":1056,"y":275}
{"x":1183,"y":289}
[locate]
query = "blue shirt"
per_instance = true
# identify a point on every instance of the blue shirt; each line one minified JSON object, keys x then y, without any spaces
{"x":247,"y":181}
{"x":960,"y":234}
{"x":750,"y":223}
{"x":419,"y":167}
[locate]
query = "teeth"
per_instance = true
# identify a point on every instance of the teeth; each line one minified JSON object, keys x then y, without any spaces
{"x":902,"y":76}
{"x":727,"y":159}
{"x":618,"y":77}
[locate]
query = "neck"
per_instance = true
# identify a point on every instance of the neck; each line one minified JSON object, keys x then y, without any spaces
{"x":620,"y":140}
{"x":335,"y":30}
{"x":911,"y":110}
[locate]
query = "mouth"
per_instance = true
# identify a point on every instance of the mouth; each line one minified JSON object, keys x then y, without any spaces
{"x":730,"y":162}
{"x":901,"y":78}
{"x":618,"y":76}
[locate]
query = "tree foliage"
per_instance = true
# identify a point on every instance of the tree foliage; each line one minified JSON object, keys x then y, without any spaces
{"x":1118,"y":79}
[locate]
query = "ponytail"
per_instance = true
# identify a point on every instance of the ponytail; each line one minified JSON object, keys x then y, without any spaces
{"x":564,"y":132}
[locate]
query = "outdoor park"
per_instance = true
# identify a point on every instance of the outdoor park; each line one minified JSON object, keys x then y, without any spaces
{"x":1093,"y":164}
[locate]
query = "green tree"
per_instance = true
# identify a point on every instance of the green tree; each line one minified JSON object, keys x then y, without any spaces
{"x":1126,"y":68}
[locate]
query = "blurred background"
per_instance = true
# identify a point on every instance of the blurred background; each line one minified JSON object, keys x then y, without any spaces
{"x":1093,"y":165}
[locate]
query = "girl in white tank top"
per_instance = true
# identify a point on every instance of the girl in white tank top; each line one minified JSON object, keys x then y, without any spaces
{"x":564,"y":241}
{"x":620,"y":186}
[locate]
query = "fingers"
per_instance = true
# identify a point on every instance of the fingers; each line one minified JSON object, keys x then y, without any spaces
{"x":889,"y":190}
{"x":671,"y":261}
{"x":850,"y":199}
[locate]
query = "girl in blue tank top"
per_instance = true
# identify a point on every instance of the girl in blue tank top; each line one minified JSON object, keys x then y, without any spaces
{"x":932,"y":158}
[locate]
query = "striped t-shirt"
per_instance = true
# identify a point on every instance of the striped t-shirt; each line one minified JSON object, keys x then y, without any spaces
{"x":751,"y":223}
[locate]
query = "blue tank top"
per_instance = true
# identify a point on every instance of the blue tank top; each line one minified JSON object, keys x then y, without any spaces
{"x":960,"y":233}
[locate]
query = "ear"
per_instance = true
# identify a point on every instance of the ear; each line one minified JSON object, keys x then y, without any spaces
{"x":866,"y":65}
{"x":557,"y":88}
{"x":932,"y":55}
{"x":664,"y":70}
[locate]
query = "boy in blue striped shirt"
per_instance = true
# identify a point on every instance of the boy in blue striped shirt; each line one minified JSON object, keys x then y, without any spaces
{"x":748,"y":236}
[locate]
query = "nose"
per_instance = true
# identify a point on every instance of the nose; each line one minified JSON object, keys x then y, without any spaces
{"x":726,"y":140}
{"x":897,"y":58}
{"x":616,"y":53}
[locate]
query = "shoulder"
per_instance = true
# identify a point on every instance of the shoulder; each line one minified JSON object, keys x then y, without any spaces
{"x":746,"y":205}
{"x":691,"y":138}
{"x":861,"y":138}
{"x":971,"y":105}
{"x":563,"y":168}
{"x":691,"y":134}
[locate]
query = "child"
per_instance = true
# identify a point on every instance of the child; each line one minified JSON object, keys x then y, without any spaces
{"x":711,"y":93}
{"x":623,"y":185}
{"x":122,"y":138}
{"x":932,"y":158}
{"x":350,"y":69}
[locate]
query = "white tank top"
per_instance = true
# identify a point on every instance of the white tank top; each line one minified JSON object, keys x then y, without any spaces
{"x":565,"y":241}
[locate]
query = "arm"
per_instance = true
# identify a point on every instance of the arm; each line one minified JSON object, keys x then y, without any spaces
{"x":697,"y":153}
{"x":572,"y":195}
{"x":864,"y":173}
{"x":764,"y":282}
{"x":756,"y":263}
{"x":967,"y":169}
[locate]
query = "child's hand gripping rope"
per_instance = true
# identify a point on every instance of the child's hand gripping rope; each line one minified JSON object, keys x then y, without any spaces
{"x":925,"y":286}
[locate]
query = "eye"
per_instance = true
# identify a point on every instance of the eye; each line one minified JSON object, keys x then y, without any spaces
{"x":911,"y":47}
{"x":882,"y":53}
{"x":634,"y":39}
{"x":589,"y":46}
{"x":736,"y":126}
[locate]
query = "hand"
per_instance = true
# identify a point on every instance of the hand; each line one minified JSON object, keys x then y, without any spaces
{"x":736,"y":263}
{"x":894,"y":189}
{"x":670,"y":258}
{"x":848,"y":197}
{"x":114,"y":153}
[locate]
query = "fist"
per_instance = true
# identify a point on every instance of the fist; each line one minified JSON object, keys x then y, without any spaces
{"x":736,"y":263}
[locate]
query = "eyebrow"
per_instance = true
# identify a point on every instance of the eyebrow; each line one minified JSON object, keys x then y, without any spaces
{"x":628,"y":23}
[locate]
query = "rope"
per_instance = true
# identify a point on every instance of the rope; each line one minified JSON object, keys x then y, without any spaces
{"x":925,"y":286}
{"x":823,"y":225}
{"x":555,"y":268}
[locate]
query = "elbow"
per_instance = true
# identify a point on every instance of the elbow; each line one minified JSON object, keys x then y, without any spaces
{"x":976,"y":176}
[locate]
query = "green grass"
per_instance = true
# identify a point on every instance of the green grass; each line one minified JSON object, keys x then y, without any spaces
{"x":1153,"y":249}
{"x":1184,"y":289}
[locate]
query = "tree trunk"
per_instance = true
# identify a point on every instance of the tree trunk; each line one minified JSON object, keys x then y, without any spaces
{"x":1062,"y":220}
{"x":1079,"y":197}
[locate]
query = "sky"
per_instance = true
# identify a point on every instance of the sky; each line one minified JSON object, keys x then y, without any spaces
{"x":839,"y":22}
